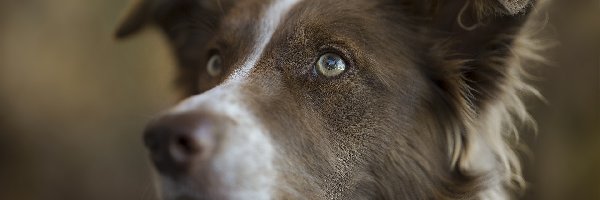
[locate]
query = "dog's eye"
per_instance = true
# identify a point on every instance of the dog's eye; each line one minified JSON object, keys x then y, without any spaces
{"x":330,"y":65}
{"x":213,"y":67}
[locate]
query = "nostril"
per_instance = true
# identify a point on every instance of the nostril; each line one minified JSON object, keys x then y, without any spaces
{"x":178,"y":141}
{"x":183,"y":147}
{"x":186,"y":145}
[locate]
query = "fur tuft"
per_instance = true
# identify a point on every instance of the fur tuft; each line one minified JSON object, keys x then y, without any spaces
{"x":484,"y":138}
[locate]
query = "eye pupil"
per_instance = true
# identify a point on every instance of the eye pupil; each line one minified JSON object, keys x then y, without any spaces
{"x":331,"y":65}
{"x":331,"y":62}
{"x":213,"y":67}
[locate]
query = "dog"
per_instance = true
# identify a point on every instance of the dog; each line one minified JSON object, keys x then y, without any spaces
{"x":327,"y":99}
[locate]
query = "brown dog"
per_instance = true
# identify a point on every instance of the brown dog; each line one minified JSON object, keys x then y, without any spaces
{"x":328,"y":99}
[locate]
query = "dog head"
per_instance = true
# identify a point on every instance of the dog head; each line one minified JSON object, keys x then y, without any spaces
{"x":398,"y":99}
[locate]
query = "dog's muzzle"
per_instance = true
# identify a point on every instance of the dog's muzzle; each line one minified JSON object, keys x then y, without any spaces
{"x":211,"y":147}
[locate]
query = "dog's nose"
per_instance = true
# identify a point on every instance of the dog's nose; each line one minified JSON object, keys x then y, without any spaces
{"x":177,"y":141}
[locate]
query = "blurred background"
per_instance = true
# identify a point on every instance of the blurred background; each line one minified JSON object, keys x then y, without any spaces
{"x":73,"y":103}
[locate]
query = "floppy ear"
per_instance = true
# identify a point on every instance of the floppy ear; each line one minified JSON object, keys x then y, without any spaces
{"x":476,"y":64}
{"x":480,"y":35}
{"x":169,"y":13}
{"x":188,"y":25}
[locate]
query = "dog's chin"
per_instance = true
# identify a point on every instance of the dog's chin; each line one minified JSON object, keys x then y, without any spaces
{"x":182,"y":190}
{"x":184,"y":197}
{"x":188,"y":189}
{"x":188,"y":197}
{"x":196,"y":195}
{"x":185,"y":194}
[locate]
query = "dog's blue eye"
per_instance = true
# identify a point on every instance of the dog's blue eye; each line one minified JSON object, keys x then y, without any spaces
{"x":213,"y":66}
{"x":330,"y":65}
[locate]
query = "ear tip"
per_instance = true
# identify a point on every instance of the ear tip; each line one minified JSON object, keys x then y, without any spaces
{"x":120,"y":34}
{"x":515,"y":7}
{"x":124,"y":31}
{"x":131,"y":25}
{"x":137,"y":17}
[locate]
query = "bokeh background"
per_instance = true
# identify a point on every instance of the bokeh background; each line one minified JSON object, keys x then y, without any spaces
{"x":73,"y":103}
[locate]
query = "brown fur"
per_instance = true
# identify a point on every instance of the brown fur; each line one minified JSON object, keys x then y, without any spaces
{"x":428,"y":110}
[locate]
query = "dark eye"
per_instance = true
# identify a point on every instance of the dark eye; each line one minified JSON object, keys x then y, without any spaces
{"x":213,"y":66}
{"x":330,"y":65}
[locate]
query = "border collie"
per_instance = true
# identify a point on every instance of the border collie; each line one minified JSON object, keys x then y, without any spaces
{"x":353,"y":99}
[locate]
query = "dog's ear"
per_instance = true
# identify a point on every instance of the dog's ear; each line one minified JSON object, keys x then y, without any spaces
{"x":169,"y":14}
{"x":475,"y":25}
{"x":476,"y":63}
{"x":481,"y":34}
{"x":187,"y":24}
{"x":137,"y":17}
{"x":515,"y":6}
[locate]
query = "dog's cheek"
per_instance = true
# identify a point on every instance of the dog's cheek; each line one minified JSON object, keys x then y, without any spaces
{"x":351,"y":113}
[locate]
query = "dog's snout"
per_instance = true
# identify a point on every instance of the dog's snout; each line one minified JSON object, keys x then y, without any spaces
{"x":177,"y":141}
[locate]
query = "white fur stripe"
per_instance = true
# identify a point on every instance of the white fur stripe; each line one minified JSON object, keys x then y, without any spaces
{"x":267,"y":26}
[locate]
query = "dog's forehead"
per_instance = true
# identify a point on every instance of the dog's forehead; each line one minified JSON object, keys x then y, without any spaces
{"x":259,"y":26}
{"x":268,"y":22}
{"x":260,"y":17}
